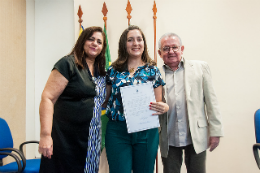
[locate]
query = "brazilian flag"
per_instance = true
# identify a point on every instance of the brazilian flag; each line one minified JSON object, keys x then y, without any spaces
{"x":108,"y":57}
{"x":81,"y":29}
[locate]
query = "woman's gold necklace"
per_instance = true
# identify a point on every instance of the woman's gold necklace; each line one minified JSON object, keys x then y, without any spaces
{"x":132,"y":69}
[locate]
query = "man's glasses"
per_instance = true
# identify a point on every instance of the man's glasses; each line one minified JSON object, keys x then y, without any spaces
{"x":168,"y":48}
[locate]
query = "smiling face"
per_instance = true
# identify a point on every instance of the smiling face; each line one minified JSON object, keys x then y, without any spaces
{"x":93,"y":45}
{"x":135,"y":43}
{"x":171,"y":58}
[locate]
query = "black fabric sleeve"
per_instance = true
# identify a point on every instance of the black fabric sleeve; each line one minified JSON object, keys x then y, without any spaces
{"x":65,"y":66}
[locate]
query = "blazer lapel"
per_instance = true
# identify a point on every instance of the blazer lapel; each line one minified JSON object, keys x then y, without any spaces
{"x":188,"y":75}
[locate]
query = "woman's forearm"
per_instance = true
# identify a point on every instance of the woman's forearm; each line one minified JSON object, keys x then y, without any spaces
{"x":46,"y":116}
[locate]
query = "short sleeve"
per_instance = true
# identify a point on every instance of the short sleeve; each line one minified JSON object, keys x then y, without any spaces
{"x":65,"y":66}
{"x":108,"y":75}
{"x":158,"y":78}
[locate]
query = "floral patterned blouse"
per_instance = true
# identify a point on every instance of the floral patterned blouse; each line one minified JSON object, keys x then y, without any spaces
{"x":143,"y":74}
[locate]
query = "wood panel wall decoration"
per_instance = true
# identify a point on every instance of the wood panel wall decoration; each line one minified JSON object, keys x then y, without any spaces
{"x":80,"y":13}
{"x":128,"y":10}
{"x":104,"y":11}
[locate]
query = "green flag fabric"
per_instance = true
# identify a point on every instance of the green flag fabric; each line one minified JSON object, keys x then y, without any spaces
{"x":108,"y":57}
{"x":104,"y":118}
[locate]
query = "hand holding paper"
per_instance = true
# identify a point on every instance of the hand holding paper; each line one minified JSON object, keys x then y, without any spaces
{"x":159,"y":107}
{"x":136,"y":100}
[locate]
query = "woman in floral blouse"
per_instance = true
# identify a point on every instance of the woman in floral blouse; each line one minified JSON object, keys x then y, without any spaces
{"x":137,"y":151}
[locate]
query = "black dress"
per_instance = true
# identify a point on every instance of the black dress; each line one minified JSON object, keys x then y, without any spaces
{"x":73,"y":112}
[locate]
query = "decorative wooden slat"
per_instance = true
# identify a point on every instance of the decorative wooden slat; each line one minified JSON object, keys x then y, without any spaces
{"x":154,"y":22}
{"x":80,"y":13}
{"x":104,"y":11}
{"x":128,"y":10}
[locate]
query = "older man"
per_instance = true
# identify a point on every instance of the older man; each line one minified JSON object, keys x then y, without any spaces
{"x":193,"y":122}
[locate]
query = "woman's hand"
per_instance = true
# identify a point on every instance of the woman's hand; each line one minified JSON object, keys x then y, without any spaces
{"x":53,"y":89}
{"x":46,"y":146}
{"x":159,"y":107}
{"x":108,"y":93}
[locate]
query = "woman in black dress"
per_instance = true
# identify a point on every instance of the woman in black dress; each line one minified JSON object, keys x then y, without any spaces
{"x":70,"y":108}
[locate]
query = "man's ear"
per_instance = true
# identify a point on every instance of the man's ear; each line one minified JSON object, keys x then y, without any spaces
{"x":182,"y":48}
{"x":159,"y":52}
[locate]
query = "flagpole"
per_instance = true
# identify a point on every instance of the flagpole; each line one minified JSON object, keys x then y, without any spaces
{"x":80,"y":13}
{"x":128,"y":10}
{"x":154,"y":22}
{"x":155,"y":59}
{"x":108,"y":57}
{"x":104,"y":11}
{"x":104,"y":118}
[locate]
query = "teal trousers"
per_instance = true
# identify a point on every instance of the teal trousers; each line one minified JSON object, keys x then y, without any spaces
{"x":127,"y":152}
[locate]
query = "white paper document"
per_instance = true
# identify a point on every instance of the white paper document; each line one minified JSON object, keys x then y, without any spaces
{"x":136,"y":100}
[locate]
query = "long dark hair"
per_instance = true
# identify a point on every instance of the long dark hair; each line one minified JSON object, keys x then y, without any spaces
{"x":121,"y":62}
{"x":80,"y":55}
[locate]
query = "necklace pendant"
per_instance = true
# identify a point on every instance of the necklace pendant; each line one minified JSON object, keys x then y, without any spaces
{"x":131,"y":70}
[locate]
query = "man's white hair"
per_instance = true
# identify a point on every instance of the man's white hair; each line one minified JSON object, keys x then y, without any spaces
{"x":168,"y":35}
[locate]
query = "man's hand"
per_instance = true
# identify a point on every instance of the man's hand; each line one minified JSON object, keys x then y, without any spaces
{"x":213,"y":142}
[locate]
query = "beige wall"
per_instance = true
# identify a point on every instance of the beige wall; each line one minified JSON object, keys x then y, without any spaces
{"x":12,"y":67}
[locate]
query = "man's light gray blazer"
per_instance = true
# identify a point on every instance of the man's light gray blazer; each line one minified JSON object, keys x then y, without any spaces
{"x":202,"y":107}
